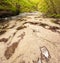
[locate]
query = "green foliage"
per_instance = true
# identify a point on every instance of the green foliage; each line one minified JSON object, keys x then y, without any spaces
{"x":49,"y":7}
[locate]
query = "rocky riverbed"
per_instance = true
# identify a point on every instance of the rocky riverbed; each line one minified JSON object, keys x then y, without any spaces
{"x":30,"y":38}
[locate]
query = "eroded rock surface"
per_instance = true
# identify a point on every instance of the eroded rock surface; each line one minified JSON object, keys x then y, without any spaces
{"x":30,"y":39}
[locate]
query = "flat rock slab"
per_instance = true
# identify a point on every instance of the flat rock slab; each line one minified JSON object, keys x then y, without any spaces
{"x":30,"y":39}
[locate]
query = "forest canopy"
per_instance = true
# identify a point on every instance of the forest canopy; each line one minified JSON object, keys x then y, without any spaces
{"x":48,"y":7}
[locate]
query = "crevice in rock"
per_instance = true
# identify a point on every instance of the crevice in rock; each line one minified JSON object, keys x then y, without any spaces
{"x":10,"y":50}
